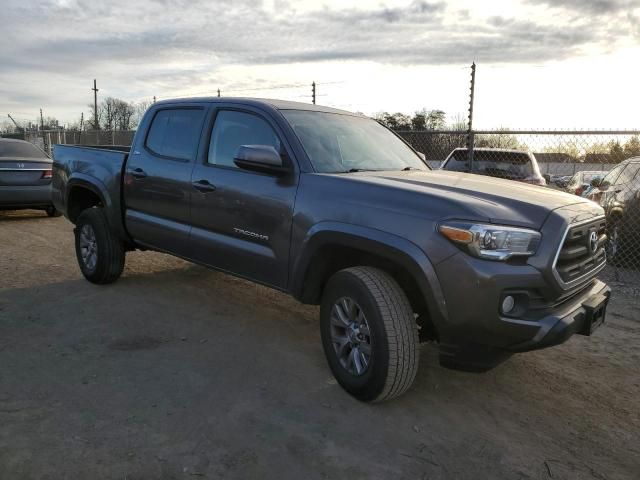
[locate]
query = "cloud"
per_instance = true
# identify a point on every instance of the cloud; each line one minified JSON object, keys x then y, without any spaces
{"x":154,"y":45}
{"x":590,"y":6}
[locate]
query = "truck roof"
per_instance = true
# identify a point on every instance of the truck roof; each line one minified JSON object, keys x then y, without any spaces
{"x":260,"y":102}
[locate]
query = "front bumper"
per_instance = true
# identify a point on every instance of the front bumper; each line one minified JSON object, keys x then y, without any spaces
{"x":477,"y":336}
{"x":25,"y":196}
{"x":560,"y":325}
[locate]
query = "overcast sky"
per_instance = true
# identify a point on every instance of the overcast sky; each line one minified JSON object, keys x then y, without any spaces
{"x":541,"y":63}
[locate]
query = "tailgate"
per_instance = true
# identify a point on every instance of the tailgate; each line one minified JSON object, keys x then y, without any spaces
{"x":19,"y":173}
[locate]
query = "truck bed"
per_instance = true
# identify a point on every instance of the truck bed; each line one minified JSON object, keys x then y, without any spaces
{"x":96,"y":167}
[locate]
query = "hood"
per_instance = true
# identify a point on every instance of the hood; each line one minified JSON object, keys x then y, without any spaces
{"x":477,"y":197}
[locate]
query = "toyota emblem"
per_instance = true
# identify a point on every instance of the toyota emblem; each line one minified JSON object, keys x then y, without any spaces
{"x":20,"y":165}
{"x":593,"y":242}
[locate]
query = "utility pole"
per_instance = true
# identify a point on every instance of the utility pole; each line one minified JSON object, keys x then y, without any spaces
{"x":218,"y":92}
{"x":95,"y":106}
{"x":81,"y":121}
{"x":313,"y":93}
{"x":470,"y":136}
{"x":41,"y":121}
{"x":154,"y":99}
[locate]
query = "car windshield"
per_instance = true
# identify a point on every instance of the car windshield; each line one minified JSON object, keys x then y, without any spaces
{"x":20,"y":150}
{"x":496,"y":163}
{"x":338,"y":143}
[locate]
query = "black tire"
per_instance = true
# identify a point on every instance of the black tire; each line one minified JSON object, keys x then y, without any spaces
{"x":52,"y":212}
{"x":110,"y":253}
{"x":393,"y":362}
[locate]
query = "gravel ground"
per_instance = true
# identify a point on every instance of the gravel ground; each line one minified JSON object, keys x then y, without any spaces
{"x":176,"y":372}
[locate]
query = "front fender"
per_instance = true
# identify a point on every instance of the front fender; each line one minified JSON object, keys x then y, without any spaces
{"x":382,"y":244}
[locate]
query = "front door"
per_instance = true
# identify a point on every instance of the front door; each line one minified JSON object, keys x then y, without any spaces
{"x":241,"y":220}
{"x":157,"y":180}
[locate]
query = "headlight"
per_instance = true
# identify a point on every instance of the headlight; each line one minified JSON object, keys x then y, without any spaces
{"x":493,"y":242}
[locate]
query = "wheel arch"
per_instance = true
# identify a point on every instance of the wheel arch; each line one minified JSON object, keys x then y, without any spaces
{"x":330,"y":247}
{"x":80,"y":196}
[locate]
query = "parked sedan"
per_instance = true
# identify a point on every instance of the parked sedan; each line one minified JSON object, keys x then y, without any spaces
{"x":496,"y":162}
{"x":25,"y":177}
{"x":581,"y":181}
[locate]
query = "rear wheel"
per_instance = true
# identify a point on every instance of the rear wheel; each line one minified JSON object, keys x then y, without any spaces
{"x":369,"y":334}
{"x":100,"y":253}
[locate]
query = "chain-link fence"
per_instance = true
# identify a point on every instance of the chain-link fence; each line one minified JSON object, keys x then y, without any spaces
{"x":602,"y":166}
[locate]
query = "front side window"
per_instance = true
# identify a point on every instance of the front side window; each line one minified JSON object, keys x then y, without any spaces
{"x":233,"y":129}
{"x":175,"y":133}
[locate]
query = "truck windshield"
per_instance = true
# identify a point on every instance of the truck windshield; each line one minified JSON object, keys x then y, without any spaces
{"x":342,"y":143}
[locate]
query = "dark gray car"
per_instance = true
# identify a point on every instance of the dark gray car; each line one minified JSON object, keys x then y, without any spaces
{"x":25,"y":177}
{"x":336,"y":210}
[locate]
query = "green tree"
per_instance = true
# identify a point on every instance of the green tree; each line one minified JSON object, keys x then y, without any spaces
{"x":395,"y":121}
{"x":568,"y":148}
{"x":499,"y":140}
{"x":436,"y":119}
{"x":616,"y":151}
{"x":632,"y":147}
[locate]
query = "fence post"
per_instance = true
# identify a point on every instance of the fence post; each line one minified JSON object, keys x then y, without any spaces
{"x":471,"y":145}
{"x":471,"y":136}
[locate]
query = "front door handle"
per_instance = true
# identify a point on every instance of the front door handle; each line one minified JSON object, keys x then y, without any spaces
{"x":204,"y":186}
{"x":138,"y":173}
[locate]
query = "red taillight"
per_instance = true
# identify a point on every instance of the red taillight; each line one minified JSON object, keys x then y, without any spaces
{"x":579,"y":191}
{"x":47,"y":174}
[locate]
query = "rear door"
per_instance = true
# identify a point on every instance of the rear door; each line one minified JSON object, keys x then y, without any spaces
{"x":157,"y":181}
{"x":241,"y":219}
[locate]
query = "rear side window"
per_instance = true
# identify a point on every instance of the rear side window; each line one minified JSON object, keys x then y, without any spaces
{"x":13,"y":149}
{"x":495,"y":163}
{"x":175,"y":133}
{"x":233,"y":129}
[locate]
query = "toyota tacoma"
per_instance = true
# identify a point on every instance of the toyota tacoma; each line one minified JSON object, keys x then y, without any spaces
{"x":338,"y":211}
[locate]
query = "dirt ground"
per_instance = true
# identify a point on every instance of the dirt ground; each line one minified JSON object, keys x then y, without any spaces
{"x":176,"y":372}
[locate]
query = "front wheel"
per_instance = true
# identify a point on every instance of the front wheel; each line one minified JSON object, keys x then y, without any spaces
{"x":100,"y":253}
{"x":369,"y":334}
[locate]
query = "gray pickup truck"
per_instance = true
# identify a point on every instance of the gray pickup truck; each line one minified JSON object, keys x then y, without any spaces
{"x":338,"y":211}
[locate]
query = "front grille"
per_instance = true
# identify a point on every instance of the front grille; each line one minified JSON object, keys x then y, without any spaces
{"x":582,"y":252}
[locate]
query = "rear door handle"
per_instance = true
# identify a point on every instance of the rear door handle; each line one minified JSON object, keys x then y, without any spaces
{"x":204,"y":186}
{"x":138,"y":173}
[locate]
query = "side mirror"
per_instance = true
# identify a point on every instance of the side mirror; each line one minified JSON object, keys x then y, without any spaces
{"x":259,"y":158}
{"x":422,"y":156}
